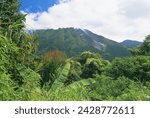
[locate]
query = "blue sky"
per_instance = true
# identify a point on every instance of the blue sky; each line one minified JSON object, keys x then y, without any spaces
{"x":36,"y":5}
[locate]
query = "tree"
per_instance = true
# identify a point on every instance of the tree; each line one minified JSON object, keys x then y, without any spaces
{"x":135,"y":68}
{"x":11,"y":20}
{"x":12,"y":27}
{"x":146,"y":46}
{"x":55,"y":55}
{"x":144,"y":49}
{"x":16,"y":49}
{"x":92,"y":64}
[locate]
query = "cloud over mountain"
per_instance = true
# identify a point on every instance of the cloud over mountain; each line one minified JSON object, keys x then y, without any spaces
{"x":115,"y":19}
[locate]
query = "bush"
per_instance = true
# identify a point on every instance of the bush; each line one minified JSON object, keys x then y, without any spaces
{"x":137,"y":67}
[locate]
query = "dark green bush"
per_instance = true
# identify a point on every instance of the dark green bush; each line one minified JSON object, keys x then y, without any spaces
{"x":137,"y":67}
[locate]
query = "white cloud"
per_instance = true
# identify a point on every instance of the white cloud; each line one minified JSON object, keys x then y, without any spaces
{"x":115,"y":19}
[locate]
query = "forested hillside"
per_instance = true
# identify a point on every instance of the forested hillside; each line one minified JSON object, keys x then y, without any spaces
{"x":52,"y":76}
{"x":131,"y":43}
{"x":74,"y":41}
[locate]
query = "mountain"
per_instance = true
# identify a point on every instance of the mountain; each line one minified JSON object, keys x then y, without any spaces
{"x":74,"y":41}
{"x":131,"y":43}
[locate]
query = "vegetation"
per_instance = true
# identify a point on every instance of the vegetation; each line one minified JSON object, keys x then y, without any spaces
{"x":131,"y":43}
{"x":75,"y":41}
{"x":54,"y":76}
{"x":144,"y":49}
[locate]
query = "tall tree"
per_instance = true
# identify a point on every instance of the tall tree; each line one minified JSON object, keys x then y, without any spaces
{"x":144,"y":49}
{"x":11,"y":20}
{"x":146,"y":46}
{"x":12,"y":26}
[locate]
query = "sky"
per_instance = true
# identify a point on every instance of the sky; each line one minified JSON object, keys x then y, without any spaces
{"x":115,"y":19}
{"x":37,"y":5}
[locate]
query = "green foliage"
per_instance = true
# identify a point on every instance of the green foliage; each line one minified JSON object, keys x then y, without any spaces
{"x":7,"y":51}
{"x":79,"y":94}
{"x":75,"y":41}
{"x":50,"y":63}
{"x":83,"y":82}
{"x":29,"y":77}
{"x":59,"y":82}
{"x":30,"y":83}
{"x":136,"y":51}
{"x":16,"y":47}
{"x":12,"y":27}
{"x":65,"y":40}
{"x":11,"y":21}
{"x":75,"y":91}
{"x":144,"y":49}
{"x":146,"y":46}
{"x":92,"y":64}
{"x":131,"y":43}
{"x":120,"y":89}
{"x":85,"y":55}
{"x":92,"y":67}
{"x":136,"y":91}
{"x":137,"y":67}
{"x":106,"y":88}
{"x":6,"y":87}
{"x":75,"y":71}
{"x":13,"y":75}
{"x":47,"y":70}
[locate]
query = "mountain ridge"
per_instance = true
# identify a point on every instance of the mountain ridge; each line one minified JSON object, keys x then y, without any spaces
{"x":74,"y":41}
{"x":131,"y":43}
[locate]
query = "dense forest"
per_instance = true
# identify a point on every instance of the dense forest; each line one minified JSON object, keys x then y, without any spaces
{"x":53,"y":75}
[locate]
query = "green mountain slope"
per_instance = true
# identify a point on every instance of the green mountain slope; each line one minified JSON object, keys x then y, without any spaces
{"x":74,"y":41}
{"x":131,"y":43}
